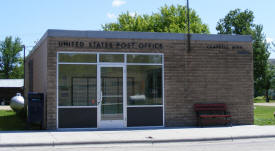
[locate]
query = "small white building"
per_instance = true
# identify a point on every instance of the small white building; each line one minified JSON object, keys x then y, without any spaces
{"x":9,"y":88}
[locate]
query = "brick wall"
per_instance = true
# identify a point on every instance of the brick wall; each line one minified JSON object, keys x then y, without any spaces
{"x":214,"y":76}
{"x":203,"y":75}
{"x":39,"y":73}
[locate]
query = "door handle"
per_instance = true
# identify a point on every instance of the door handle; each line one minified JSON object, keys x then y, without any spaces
{"x":100,"y":98}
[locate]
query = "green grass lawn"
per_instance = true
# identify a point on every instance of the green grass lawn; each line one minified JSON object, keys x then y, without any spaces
{"x":10,"y":121}
{"x":261,"y":99}
{"x":263,"y":115}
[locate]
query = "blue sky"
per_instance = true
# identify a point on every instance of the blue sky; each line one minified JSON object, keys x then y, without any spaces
{"x":29,"y":19}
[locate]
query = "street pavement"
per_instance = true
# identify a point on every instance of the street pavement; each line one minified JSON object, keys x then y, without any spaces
{"x":265,"y":144}
{"x":133,"y":136}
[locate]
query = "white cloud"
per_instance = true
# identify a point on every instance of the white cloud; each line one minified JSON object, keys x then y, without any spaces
{"x":117,"y":3}
{"x":269,"y":40}
{"x":111,"y":16}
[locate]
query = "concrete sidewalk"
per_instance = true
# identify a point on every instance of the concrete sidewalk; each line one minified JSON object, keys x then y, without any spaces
{"x":162,"y":135}
{"x":5,"y":107}
{"x":265,"y":104}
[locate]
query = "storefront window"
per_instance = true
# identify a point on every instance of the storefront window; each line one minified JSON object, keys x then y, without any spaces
{"x":144,"y":85}
{"x":111,"y":58}
{"x":138,"y":58}
{"x":77,"y":57}
{"x":77,"y":85}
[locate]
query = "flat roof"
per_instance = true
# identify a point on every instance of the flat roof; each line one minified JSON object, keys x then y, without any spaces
{"x":11,"y":83}
{"x":144,"y":35}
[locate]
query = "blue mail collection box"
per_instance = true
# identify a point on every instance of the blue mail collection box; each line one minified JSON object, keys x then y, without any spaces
{"x":35,"y":107}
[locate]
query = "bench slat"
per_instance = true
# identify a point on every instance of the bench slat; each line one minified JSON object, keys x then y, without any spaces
{"x":210,"y":109}
{"x":210,"y":116}
{"x":206,"y":105}
{"x":212,"y":112}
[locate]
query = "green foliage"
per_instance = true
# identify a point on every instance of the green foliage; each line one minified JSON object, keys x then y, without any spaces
{"x":260,"y":52}
{"x":263,"y":71}
{"x":242,"y":22}
{"x":261,"y":99}
{"x":269,"y":80}
{"x":18,"y":71}
{"x":11,"y":64}
{"x":168,"y":19}
{"x":236,"y":22}
{"x":263,"y":115}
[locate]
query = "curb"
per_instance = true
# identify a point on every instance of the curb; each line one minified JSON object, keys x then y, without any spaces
{"x":151,"y":141}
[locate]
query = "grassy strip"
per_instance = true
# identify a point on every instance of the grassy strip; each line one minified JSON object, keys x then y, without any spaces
{"x":261,"y":99}
{"x":263,"y":115}
{"x":10,"y":121}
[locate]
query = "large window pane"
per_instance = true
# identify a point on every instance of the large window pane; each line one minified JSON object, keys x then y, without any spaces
{"x":76,"y":57}
{"x":144,"y":85}
{"x":112,"y":93}
{"x":111,"y":58}
{"x":137,"y":58}
{"x":77,"y":85}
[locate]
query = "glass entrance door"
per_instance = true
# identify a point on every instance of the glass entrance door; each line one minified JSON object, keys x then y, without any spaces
{"x":111,"y":108}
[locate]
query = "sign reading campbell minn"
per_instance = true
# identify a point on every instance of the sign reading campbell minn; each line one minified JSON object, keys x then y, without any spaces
{"x":110,"y":45}
{"x":240,"y":49}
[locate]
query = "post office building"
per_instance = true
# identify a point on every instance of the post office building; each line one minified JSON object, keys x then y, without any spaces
{"x":100,"y":79}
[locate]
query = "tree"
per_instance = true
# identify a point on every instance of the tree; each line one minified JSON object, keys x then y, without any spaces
{"x":241,"y":22}
{"x":236,"y":22}
{"x":261,"y":54}
{"x":168,"y":19}
{"x":11,"y":64}
{"x":269,"y":80}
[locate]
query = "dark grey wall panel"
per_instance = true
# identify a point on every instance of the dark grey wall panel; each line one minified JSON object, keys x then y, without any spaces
{"x":77,"y":118}
{"x":144,"y":116}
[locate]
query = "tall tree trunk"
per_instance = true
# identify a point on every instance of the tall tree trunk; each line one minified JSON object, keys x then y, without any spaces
{"x":266,"y":95}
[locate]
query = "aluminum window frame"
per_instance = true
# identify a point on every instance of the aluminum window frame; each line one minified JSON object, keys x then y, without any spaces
{"x":98,"y":63}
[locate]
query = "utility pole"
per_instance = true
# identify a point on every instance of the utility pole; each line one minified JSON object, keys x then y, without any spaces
{"x":188,"y":27}
{"x":24,"y":48}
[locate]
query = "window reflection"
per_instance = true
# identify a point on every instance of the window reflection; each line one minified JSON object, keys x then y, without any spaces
{"x":137,"y":58}
{"x":77,"y":85}
{"x":144,"y":85}
{"x":111,"y":57}
{"x":77,"y":57}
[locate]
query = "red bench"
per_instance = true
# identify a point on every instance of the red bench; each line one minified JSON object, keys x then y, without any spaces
{"x":212,"y":113}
